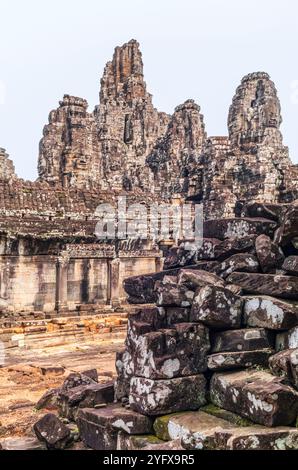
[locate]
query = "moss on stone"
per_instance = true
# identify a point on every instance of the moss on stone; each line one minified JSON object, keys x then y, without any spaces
{"x":141,"y":441}
{"x":227,"y":415}
{"x":160,"y":426}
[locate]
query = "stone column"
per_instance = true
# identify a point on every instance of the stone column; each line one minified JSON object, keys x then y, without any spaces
{"x":114,"y":279}
{"x":159,"y":261}
{"x":61,"y":284}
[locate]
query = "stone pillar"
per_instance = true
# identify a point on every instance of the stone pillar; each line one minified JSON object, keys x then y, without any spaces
{"x":114,"y":279}
{"x":61,"y":284}
{"x":159,"y":261}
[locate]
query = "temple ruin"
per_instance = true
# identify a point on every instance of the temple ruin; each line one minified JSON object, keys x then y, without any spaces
{"x":50,"y":259}
{"x":210,"y":355}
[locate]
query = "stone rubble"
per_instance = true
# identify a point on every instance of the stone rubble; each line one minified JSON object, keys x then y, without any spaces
{"x":207,"y":367}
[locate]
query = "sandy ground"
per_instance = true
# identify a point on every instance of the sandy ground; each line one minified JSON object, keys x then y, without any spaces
{"x":28,"y":374}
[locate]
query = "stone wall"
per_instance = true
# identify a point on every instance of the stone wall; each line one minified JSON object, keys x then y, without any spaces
{"x":73,"y":277}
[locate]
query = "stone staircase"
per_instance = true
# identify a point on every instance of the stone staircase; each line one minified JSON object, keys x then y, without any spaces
{"x":30,"y":333}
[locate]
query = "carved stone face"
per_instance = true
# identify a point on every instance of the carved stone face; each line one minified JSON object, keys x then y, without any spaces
{"x":255,"y":108}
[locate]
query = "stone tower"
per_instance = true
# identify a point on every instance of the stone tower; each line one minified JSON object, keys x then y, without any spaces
{"x":69,"y":150}
{"x":128,"y":124}
{"x":175,"y":158}
{"x":255,"y":114}
{"x":252,"y":163}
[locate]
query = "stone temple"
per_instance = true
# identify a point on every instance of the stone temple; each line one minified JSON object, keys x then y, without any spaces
{"x":210,"y":358}
{"x":51,"y":261}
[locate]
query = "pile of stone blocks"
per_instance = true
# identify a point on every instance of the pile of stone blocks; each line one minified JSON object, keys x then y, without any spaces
{"x":211,"y":354}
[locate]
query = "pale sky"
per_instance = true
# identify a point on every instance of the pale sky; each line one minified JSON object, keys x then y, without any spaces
{"x":191,"y":49}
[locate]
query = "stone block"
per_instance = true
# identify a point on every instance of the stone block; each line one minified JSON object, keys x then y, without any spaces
{"x":84,"y":396}
{"x":246,"y":339}
{"x":269,"y":254}
{"x":51,"y":431}
{"x":99,"y":428}
{"x":239,"y":360}
{"x":258,"y":396}
{"x":268,"y":312}
{"x":285,"y":364}
{"x":156,"y":397}
{"x":275,"y":285}
{"x":217,"y":307}
{"x":238,"y":227}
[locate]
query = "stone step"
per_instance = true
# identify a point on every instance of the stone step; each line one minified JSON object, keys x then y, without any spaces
{"x":75,"y":333}
{"x":16,"y":321}
{"x":59,"y":338}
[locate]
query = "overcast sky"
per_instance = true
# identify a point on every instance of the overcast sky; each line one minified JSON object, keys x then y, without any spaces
{"x":191,"y":49}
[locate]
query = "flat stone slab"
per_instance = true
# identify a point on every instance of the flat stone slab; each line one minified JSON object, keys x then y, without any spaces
{"x":266,"y":284}
{"x":285,"y":364}
{"x":239,"y":262}
{"x":258,"y":396}
{"x":227,"y":248}
{"x":196,"y":430}
{"x":194,"y":278}
{"x":217,"y":307}
{"x":187,"y":254}
{"x":268,"y":312}
{"x":169,"y":352}
{"x":99,"y":428}
{"x":258,"y":438}
{"x":272,"y":211}
{"x":170,"y":445}
{"x":202,"y":431}
{"x":178,"y":256}
{"x":245,"y":339}
{"x":156,"y":397}
{"x":238,"y":227}
{"x":238,"y":360}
